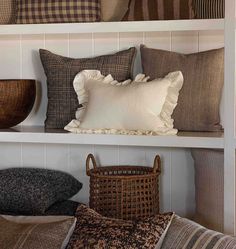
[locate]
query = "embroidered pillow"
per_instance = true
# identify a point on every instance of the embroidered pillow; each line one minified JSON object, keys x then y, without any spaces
{"x":199,"y":99}
{"x":57,"y":11}
{"x":113,"y":10}
{"x":95,"y":231}
{"x":7,"y":11}
{"x":140,"y":10}
{"x":27,"y":232}
{"x":137,"y":107}
{"x":61,"y":71}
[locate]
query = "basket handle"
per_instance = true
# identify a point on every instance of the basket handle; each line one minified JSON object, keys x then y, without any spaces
{"x":90,"y":157}
{"x":157,"y":164}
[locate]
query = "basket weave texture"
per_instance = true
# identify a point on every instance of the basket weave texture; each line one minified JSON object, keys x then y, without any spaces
{"x":124,"y":192}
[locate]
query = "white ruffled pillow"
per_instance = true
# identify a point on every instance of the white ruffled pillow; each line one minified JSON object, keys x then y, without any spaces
{"x":134,"y":108}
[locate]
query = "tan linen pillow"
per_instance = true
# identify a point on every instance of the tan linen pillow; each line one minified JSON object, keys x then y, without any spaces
{"x":137,"y":107}
{"x":96,"y":231}
{"x":7,"y":11}
{"x":113,"y":10}
{"x":140,"y":10}
{"x":199,"y":99}
{"x":34,"y":232}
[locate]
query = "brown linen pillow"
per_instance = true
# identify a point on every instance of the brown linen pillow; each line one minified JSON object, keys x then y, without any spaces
{"x":209,"y":9}
{"x":113,"y":10}
{"x":57,"y":11}
{"x":199,"y":99}
{"x":60,"y":72}
{"x":96,"y":231}
{"x":7,"y":11}
{"x":140,"y":10}
{"x":35,"y":232}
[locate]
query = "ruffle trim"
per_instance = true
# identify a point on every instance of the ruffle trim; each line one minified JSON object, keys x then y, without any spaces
{"x":176,"y":82}
{"x":73,"y":126}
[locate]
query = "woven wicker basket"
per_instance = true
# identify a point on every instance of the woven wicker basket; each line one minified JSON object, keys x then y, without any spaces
{"x":124,"y":192}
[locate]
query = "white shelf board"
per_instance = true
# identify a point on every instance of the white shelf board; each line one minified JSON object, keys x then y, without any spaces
{"x":183,"y":139}
{"x":111,"y":27}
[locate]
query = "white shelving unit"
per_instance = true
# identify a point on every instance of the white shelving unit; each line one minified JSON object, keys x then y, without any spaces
{"x":182,"y":140}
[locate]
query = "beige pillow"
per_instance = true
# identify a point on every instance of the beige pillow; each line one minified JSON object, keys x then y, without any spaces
{"x":137,"y":107}
{"x":7,"y":11}
{"x":113,"y":10}
{"x":36,"y":232}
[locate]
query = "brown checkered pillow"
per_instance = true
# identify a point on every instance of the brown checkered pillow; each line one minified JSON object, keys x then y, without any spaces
{"x":57,"y":11}
{"x":60,"y":72}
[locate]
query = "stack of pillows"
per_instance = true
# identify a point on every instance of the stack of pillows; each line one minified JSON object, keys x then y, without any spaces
{"x":96,"y":95}
{"x":64,"y":11}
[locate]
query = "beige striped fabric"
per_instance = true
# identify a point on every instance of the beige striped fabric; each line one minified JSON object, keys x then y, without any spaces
{"x":7,"y":11}
{"x":140,"y":10}
{"x":208,"y":9}
{"x":185,"y":234}
{"x":209,"y":187}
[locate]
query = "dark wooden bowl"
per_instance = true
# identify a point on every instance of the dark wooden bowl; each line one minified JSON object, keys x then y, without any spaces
{"x":16,"y":101}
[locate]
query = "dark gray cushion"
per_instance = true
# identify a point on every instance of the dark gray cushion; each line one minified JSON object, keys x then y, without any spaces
{"x":33,"y":191}
{"x":61,"y":71}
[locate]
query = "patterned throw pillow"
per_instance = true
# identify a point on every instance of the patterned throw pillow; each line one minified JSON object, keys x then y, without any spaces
{"x":57,"y":11}
{"x":186,"y":234}
{"x":209,"y":9}
{"x":33,"y":191}
{"x":199,"y":99}
{"x":7,"y":11}
{"x":61,"y":71}
{"x":95,"y":231}
{"x":140,"y":10}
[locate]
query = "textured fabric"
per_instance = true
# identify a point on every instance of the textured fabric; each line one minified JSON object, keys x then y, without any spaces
{"x":7,"y":11}
{"x":137,"y":107}
{"x":35,"y":233}
{"x":33,"y":191}
{"x":140,"y":10}
{"x":209,"y":9}
{"x":113,"y":10}
{"x":61,"y":71}
{"x":67,"y":207}
{"x":185,"y":234}
{"x":199,"y":99}
{"x":209,"y":187}
{"x":57,"y":11}
{"x":95,"y":231}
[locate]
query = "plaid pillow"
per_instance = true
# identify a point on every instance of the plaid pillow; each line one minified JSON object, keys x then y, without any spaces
{"x":57,"y":11}
{"x":61,"y":71}
{"x":7,"y":11}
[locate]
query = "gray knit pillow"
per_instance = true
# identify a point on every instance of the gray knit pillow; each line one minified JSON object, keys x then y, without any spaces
{"x":33,"y":191}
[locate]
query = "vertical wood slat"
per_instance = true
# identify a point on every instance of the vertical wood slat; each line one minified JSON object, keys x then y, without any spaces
{"x":229,"y":132}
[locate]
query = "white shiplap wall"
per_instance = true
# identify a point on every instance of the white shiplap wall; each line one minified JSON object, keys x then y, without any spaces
{"x":19,"y":59}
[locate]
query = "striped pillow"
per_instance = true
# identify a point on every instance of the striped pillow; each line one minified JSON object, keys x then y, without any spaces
{"x":57,"y":11}
{"x":186,"y":234}
{"x":207,"y":9}
{"x":140,"y":10}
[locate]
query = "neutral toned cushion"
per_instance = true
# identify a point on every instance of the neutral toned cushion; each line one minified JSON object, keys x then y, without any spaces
{"x":61,"y":71}
{"x":186,"y":234}
{"x":199,"y":99}
{"x":35,"y":232}
{"x":95,"y":231}
{"x":57,"y":11}
{"x":137,"y":107}
{"x":7,"y":11}
{"x":33,"y":191}
{"x":209,"y":187}
{"x":140,"y":10}
{"x":209,"y":9}
{"x":113,"y":10}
